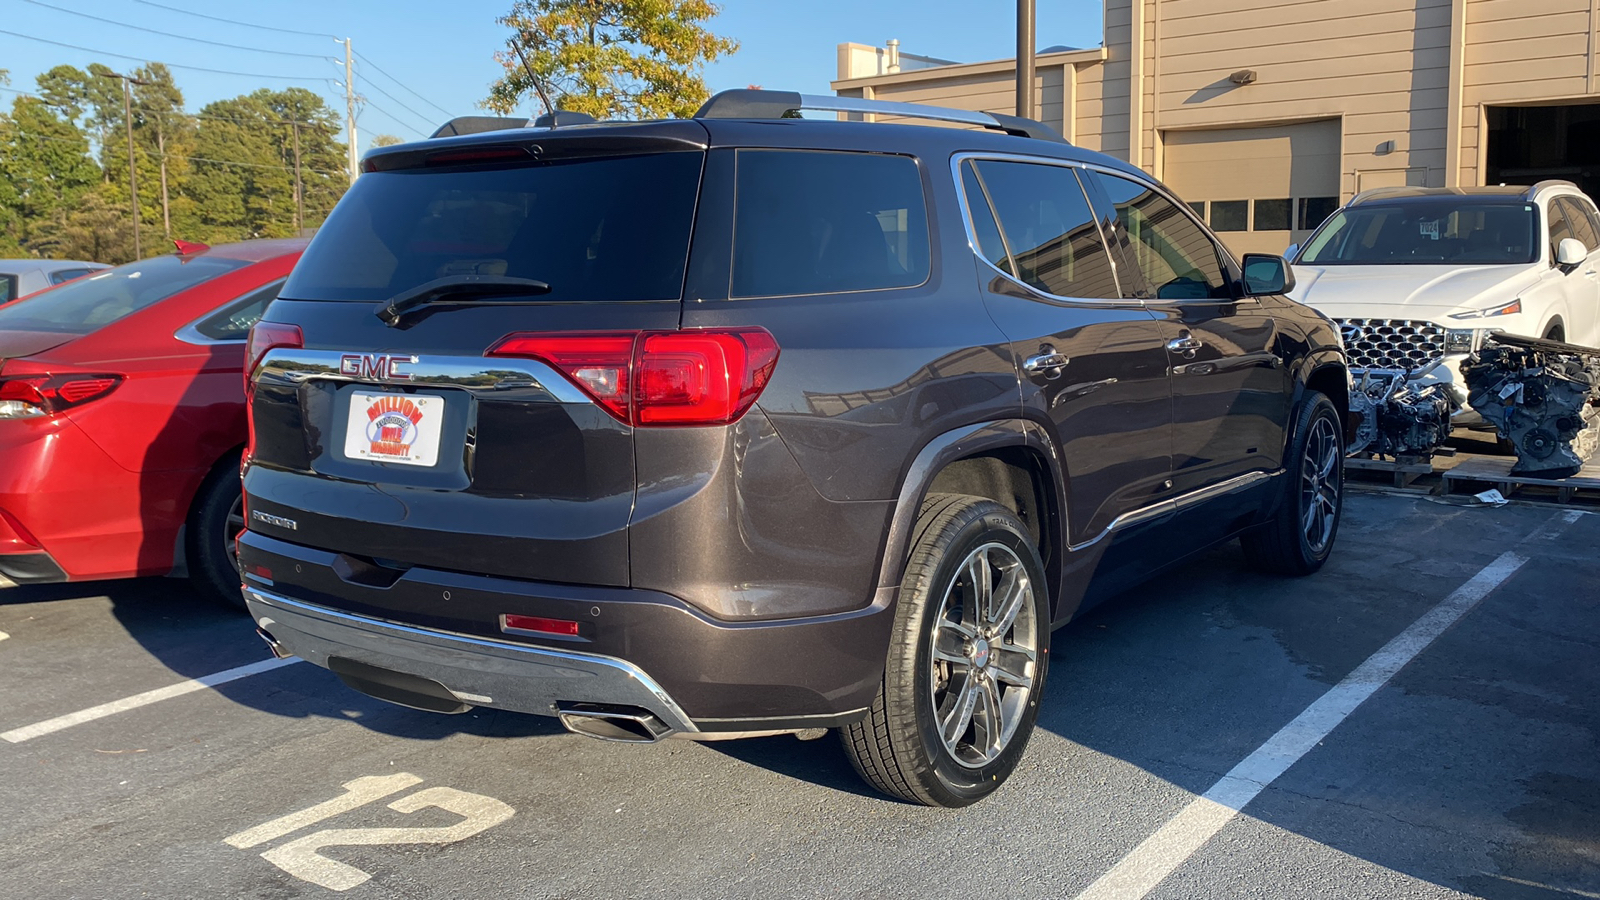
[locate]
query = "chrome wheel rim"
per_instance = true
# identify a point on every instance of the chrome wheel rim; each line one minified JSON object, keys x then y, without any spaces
{"x":231,"y":528}
{"x":1319,"y":485}
{"x":985,"y":655}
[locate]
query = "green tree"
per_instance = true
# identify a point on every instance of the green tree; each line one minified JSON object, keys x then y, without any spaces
{"x":94,"y":227}
{"x":385,"y":140}
{"x":610,"y":58}
{"x":245,"y":175}
{"x":44,"y":166}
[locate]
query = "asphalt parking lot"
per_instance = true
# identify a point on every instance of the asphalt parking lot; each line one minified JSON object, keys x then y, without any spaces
{"x":1474,"y":770}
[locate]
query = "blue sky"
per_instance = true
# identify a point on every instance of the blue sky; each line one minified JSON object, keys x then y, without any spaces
{"x":424,"y":57}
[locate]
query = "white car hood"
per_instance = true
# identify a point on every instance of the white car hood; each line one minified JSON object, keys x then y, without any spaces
{"x":1409,"y":292}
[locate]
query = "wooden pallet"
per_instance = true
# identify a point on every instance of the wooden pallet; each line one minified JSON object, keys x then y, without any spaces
{"x":1475,"y":475}
{"x":1404,"y":471}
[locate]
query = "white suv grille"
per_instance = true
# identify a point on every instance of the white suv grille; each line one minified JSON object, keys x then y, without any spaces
{"x":1391,"y":343}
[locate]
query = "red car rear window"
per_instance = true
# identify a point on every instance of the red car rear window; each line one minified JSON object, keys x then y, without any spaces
{"x":86,"y":304}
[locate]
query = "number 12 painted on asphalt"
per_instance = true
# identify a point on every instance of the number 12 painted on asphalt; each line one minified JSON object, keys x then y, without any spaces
{"x":299,"y":857}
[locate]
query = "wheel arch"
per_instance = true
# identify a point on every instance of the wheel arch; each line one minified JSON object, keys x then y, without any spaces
{"x":1011,"y":462}
{"x":180,"y":550}
{"x":1327,"y":374}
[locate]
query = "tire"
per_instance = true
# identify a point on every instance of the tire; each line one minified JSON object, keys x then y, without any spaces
{"x":217,"y":516}
{"x":1298,"y":540}
{"x":990,"y":664}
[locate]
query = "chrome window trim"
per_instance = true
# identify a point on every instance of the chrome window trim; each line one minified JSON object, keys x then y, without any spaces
{"x":474,"y":374}
{"x":956,"y":161}
{"x":190,"y":333}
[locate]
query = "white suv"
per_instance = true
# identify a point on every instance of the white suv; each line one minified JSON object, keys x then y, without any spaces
{"x":1416,"y":277}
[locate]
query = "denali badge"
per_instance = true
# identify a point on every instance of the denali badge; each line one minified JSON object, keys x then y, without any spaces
{"x":375,"y":366}
{"x":279,"y":521}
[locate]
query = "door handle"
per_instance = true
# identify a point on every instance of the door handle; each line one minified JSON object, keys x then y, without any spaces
{"x":1185,"y":345}
{"x":1047,"y":363}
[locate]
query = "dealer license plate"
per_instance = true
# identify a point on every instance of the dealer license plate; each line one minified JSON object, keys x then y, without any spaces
{"x":396,"y":428}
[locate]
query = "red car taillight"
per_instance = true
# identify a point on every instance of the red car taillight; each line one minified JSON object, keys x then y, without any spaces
{"x":708,"y":377}
{"x":32,"y":396}
{"x":264,"y":337}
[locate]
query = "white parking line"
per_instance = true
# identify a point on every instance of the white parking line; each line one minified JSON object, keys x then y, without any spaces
{"x":48,"y":726}
{"x":1163,"y":852}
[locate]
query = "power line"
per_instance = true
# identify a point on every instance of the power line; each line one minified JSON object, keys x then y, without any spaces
{"x":394,"y":118}
{"x":220,"y":162}
{"x":181,"y":37}
{"x":402,"y":85}
{"x":206,"y":118}
{"x":235,"y":22}
{"x":29,"y":37}
{"x":401,"y":105}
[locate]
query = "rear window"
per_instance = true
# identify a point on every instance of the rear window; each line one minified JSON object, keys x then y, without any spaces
{"x":85,"y":304}
{"x":823,"y":222}
{"x":613,"y":228}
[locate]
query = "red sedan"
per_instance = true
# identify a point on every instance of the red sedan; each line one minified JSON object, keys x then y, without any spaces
{"x":122,"y":418}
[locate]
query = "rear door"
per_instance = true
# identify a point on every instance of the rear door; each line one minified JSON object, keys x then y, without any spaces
{"x":1092,"y":359}
{"x":1230,"y":393}
{"x":408,"y":443}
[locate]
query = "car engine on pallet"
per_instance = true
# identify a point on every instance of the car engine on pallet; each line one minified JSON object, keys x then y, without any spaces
{"x":1399,"y":418}
{"x":1543,"y":397}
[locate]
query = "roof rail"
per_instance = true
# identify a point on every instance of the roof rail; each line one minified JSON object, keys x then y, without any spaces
{"x":748,"y":103}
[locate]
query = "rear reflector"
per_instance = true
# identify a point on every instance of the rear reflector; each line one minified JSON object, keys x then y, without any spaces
{"x":13,"y":536}
{"x":538,"y":625}
{"x":645,"y":378}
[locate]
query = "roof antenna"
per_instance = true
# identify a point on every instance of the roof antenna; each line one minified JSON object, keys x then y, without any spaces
{"x":538,"y":86}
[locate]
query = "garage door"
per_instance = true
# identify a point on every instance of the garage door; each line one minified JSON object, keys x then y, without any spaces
{"x":1261,"y":189}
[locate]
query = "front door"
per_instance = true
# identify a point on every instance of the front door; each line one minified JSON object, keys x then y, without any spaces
{"x":1230,"y":390}
{"x":1092,"y":360}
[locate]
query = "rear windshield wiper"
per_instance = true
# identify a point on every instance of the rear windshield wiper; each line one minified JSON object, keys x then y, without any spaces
{"x":459,"y":290}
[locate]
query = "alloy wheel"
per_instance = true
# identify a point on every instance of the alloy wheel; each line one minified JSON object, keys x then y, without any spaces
{"x":984,"y":655}
{"x":1319,"y":485}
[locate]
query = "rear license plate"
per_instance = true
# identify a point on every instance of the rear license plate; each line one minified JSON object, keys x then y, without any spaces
{"x":397,"y":428}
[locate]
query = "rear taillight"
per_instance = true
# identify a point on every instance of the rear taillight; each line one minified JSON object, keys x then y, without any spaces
{"x":702,"y":377}
{"x":264,"y":337}
{"x":32,"y":396}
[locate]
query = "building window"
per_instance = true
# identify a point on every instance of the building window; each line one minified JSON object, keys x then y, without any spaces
{"x":1230,"y":215}
{"x":1313,"y":211}
{"x":1274,"y":215}
{"x":1199,"y":207}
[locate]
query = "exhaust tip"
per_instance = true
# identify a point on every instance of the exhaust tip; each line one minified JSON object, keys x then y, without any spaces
{"x":611,"y":722}
{"x":279,"y":651}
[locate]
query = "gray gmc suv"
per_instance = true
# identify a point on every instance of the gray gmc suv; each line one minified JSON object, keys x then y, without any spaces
{"x":750,"y":424}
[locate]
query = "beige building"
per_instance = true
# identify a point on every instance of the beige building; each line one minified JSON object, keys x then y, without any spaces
{"x":1267,"y":115}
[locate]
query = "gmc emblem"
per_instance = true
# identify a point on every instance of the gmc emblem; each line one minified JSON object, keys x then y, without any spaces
{"x":375,"y":366}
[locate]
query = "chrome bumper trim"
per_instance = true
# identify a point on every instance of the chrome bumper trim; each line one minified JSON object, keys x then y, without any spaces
{"x":483,"y":671}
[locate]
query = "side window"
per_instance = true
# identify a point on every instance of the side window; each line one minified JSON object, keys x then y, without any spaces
{"x":8,"y":288}
{"x":1559,"y":229}
{"x":1178,"y":259}
{"x":990,"y":245}
{"x":1579,"y":223}
{"x":1048,"y":226}
{"x":822,"y":222}
{"x":67,"y":275}
{"x":232,"y":322}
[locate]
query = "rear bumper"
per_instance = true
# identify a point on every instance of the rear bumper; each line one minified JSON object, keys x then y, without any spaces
{"x":635,"y":647}
{"x":476,"y":671}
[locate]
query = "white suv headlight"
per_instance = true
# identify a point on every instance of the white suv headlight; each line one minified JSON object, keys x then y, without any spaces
{"x":1504,"y":309}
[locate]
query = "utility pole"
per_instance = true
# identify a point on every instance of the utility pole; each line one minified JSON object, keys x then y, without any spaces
{"x":1025,"y":43}
{"x":350,"y":107}
{"x":299,"y":189}
{"x":133,"y":171}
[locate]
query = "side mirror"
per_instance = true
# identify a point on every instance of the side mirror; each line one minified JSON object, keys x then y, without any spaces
{"x":1570,"y":252}
{"x":1293,"y":249}
{"x":1266,"y":274}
